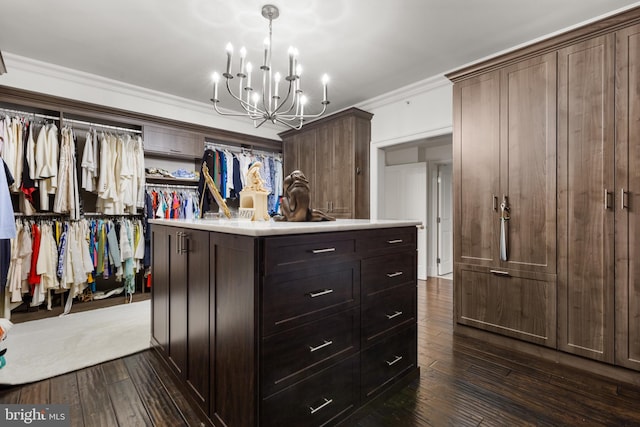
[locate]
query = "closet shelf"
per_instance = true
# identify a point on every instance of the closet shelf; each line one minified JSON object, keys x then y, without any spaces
{"x":153,"y":179}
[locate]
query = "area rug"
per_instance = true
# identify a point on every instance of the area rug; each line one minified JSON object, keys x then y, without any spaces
{"x":45,"y":348}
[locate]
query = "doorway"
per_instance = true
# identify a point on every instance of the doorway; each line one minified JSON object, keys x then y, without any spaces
{"x":444,"y":221}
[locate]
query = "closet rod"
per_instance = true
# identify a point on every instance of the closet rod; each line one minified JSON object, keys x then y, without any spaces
{"x":25,"y":113}
{"x":173,"y":186}
{"x":235,"y":149}
{"x":91,"y":124}
{"x":100,"y":214}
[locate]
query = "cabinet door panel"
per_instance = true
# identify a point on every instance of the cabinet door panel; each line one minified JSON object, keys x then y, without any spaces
{"x":628,"y":215}
{"x":343,"y":172}
{"x":160,"y":288}
{"x":323,"y":188}
{"x":198,"y":315}
{"x":528,"y":153}
{"x":177,"y":304}
{"x":519,"y":305}
{"x":476,"y":161}
{"x":585,"y":208}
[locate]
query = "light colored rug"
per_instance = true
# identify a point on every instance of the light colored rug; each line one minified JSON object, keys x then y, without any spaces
{"x":45,"y":348}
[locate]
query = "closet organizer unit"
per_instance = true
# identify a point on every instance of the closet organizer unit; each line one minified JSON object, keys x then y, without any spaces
{"x":62,"y":166}
{"x":546,"y":142}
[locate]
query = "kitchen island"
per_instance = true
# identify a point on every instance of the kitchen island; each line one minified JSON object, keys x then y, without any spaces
{"x":284,"y":324}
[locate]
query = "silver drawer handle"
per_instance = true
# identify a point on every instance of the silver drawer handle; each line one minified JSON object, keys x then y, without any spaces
{"x":396,"y":314}
{"x":394,"y":361}
{"x":320,"y":293}
{"x":393,"y":242}
{"x":326,"y":402}
{"x":396,"y":274}
{"x":326,"y":343}
{"x":323,"y":251}
{"x":499,"y":273}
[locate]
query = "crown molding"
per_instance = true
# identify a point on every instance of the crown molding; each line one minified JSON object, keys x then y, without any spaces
{"x":401,"y":94}
{"x":81,"y":78}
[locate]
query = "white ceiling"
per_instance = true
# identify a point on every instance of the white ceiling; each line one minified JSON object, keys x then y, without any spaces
{"x":368,"y":47}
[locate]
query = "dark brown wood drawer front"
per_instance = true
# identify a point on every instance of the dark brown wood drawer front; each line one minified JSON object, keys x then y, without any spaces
{"x":387,"y":240}
{"x":317,"y":401}
{"x":384,"y":272}
{"x":386,"y":360}
{"x":386,"y":312}
{"x":295,"y":298}
{"x":298,"y":252}
{"x":290,"y":356}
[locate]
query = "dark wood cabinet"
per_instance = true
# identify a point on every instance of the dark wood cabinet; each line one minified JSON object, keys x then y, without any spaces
{"x":627,"y":192}
{"x":586,"y":172}
{"x":334,"y":155}
{"x":274,"y":330}
{"x":568,"y":116}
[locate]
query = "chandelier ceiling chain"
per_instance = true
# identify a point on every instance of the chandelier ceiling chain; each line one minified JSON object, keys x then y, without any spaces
{"x":268,"y":106}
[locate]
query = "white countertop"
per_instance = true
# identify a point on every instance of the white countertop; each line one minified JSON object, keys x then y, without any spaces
{"x":277,"y":228}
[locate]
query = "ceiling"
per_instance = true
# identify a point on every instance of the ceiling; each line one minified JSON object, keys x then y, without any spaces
{"x":368,"y":47}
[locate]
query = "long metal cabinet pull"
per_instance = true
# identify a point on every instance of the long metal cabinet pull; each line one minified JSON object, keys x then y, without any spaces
{"x":623,"y":199}
{"x":504,"y":217}
{"x":320,"y":293}
{"x":326,"y":402}
{"x":178,"y":242}
{"x":606,"y":200}
{"x":325,"y":344}
{"x":396,"y":314}
{"x":323,"y":251}
{"x":499,"y":273}
{"x":396,"y":274}
{"x":495,"y":202}
{"x":394,"y":361}
{"x":393,"y":242}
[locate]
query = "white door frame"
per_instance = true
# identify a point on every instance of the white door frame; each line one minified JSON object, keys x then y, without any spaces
{"x":444,"y":261}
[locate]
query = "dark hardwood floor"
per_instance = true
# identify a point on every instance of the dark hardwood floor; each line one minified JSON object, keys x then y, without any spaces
{"x":462,"y":382}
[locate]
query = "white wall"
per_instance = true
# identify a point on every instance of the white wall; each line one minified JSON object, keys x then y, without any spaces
{"x":419,"y":111}
{"x":41,"y":77}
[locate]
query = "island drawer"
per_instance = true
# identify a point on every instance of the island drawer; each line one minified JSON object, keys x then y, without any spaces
{"x":387,"y":360}
{"x":297,"y":252}
{"x":298,"y":297}
{"x":388,"y":311}
{"x":386,"y":240}
{"x":387,"y":271}
{"x":316,"y":401}
{"x":293,"y":355}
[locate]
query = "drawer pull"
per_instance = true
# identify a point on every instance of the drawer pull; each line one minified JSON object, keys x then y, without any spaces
{"x":396,"y":314}
{"x":320,"y":293}
{"x":499,"y":273}
{"x":396,"y":274}
{"x":326,"y":402}
{"x":394,"y":361}
{"x":326,"y":344}
{"x":323,"y":251}
{"x":393,"y":242}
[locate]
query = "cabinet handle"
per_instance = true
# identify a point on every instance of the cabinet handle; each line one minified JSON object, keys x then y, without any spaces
{"x":396,"y":274}
{"x":500,"y":273}
{"x":174,"y":151}
{"x":320,"y":293}
{"x":326,"y":402}
{"x":396,"y":314}
{"x":394,"y":361}
{"x":495,"y":202}
{"x":606,"y":200}
{"x":394,"y":242}
{"x":178,"y":242}
{"x":326,"y":344}
{"x":323,"y":251}
{"x":623,"y":198}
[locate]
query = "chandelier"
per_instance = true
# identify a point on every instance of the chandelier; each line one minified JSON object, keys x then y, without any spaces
{"x":267,"y":104}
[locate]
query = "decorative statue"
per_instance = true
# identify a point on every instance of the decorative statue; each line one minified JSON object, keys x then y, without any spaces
{"x":295,"y":201}
{"x":254,"y":180}
{"x":253,"y":197}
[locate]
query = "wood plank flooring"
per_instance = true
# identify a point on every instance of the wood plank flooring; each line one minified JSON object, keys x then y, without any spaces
{"x":462,"y":383}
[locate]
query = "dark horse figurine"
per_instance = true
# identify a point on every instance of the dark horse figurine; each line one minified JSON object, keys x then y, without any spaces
{"x":295,"y":201}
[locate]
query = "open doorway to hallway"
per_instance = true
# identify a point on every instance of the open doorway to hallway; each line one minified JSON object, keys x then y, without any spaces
{"x":409,"y":189}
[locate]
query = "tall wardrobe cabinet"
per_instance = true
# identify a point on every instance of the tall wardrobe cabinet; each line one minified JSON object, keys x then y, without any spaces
{"x":547,"y":196}
{"x":504,"y":150}
{"x":333,"y":153}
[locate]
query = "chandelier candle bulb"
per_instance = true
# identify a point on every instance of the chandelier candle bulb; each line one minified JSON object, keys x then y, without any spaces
{"x":276,"y":78}
{"x":291,"y":54}
{"x":216,"y":78}
{"x":249,"y":70}
{"x":325,"y":81}
{"x":266,"y":54}
{"x":243,"y":55}
{"x":229,"y":54}
{"x":298,"y":76}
